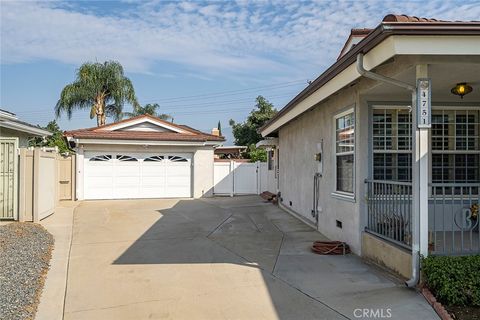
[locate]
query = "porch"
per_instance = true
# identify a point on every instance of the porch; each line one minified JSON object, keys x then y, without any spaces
{"x":453,"y":226}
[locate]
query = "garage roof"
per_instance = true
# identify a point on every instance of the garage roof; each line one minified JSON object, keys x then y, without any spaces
{"x":159,"y":130}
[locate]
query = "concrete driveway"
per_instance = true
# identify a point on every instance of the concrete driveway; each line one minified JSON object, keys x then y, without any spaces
{"x":219,"y":258}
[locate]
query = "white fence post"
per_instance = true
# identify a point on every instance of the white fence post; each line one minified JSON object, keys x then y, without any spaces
{"x":232,"y":172}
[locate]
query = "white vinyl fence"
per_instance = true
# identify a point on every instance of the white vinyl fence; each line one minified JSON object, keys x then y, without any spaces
{"x":240,"y":178}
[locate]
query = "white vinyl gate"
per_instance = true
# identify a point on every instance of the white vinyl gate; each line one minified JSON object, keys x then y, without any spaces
{"x":239,"y":178}
{"x":8,"y":178}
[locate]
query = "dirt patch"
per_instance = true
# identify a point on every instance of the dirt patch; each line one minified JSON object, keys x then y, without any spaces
{"x":464,"y":313}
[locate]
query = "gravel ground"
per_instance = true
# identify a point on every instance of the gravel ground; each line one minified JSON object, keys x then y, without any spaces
{"x":25,"y":252}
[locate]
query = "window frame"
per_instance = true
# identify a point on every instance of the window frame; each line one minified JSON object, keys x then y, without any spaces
{"x":406,"y":105}
{"x":340,"y":194}
{"x":271,"y":160}
{"x":372,"y":151}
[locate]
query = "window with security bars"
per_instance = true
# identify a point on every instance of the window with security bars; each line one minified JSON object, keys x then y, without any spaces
{"x":455,"y":146}
{"x":454,"y":143}
{"x":392,"y":144}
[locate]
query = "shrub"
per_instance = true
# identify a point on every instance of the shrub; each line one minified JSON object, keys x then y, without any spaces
{"x":455,"y":281}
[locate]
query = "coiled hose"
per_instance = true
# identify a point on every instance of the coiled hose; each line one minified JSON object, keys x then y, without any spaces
{"x":330,"y":247}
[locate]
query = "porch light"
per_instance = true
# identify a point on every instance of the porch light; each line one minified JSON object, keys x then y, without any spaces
{"x":461,"y":89}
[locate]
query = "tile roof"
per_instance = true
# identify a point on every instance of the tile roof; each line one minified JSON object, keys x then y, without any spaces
{"x":405,"y":18}
{"x":142,"y":135}
{"x":102,"y":132}
{"x":360,"y":32}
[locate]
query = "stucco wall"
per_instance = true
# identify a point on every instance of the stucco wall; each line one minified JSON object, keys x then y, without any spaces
{"x":298,"y":145}
{"x":203,"y":173}
{"x":22,"y":136}
{"x":202,"y":164}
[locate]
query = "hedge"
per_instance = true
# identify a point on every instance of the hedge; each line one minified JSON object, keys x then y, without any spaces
{"x":454,"y":280}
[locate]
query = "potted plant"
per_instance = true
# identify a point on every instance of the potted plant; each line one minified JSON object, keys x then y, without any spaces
{"x":474,"y":208}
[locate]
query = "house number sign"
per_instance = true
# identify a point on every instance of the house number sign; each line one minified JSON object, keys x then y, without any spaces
{"x":424,"y":103}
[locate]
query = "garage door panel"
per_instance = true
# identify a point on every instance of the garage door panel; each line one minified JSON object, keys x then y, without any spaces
{"x":154,"y":181}
{"x":153,"y":192}
{"x":154,"y":171}
{"x":123,"y":175}
{"x":99,"y":171}
{"x":127,"y":181}
{"x":126,"y":193}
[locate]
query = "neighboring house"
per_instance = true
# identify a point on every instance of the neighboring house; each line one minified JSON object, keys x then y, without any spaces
{"x":143,"y":157}
{"x":14,"y":134}
{"x":229,"y":152}
{"x":344,"y":144}
{"x":12,"y":127}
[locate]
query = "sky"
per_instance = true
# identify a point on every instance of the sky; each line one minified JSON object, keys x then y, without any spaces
{"x":202,"y":61}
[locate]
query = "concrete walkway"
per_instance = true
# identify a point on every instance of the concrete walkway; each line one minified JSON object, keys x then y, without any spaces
{"x":220,"y":258}
{"x":60,"y":225}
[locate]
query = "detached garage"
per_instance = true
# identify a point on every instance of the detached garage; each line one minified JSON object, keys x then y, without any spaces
{"x":143,"y":157}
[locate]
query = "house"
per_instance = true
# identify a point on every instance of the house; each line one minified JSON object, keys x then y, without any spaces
{"x":14,"y":134}
{"x":12,"y":127}
{"x":143,"y":157}
{"x":362,"y":156}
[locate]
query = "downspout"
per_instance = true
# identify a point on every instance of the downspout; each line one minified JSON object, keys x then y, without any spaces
{"x":412,"y":282}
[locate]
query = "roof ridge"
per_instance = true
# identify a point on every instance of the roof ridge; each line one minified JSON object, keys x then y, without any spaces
{"x":392,"y":18}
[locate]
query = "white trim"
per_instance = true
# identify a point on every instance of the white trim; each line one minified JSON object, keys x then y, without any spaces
{"x":127,"y":124}
{"x":347,"y":196}
{"x":24,"y":128}
{"x":339,"y":193}
{"x":344,"y":113}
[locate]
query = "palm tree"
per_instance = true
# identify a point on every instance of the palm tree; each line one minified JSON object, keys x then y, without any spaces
{"x":149,"y":108}
{"x":100,"y":87}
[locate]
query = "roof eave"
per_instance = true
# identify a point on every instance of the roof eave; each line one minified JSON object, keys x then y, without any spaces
{"x":380,"y":33}
{"x":13,"y":125}
{"x":102,"y":141}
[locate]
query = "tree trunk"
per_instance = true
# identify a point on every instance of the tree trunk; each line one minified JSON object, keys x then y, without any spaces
{"x":100,"y":108}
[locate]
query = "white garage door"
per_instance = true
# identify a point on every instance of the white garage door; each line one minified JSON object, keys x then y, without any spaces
{"x":129,"y":175}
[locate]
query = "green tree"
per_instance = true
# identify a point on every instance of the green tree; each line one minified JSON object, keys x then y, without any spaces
{"x":100,"y":87}
{"x":246,"y":133}
{"x":55,"y":140}
{"x":256,"y":154}
{"x":150,"y":108}
{"x":219,"y":127}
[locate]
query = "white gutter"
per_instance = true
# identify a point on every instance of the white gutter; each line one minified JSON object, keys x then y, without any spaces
{"x":412,"y":282}
{"x":24,"y":128}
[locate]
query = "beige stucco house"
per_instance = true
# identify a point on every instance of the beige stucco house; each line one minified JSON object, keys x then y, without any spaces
{"x":12,"y":127}
{"x":143,"y":157}
{"x":14,"y":136}
{"x":362,"y":157}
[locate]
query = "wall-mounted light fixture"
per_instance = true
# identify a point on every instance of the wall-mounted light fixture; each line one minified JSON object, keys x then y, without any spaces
{"x":461,"y":89}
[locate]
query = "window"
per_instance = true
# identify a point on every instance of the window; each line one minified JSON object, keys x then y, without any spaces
{"x":177,"y":159}
{"x":121,"y":157}
{"x":454,"y":141}
{"x":455,"y":146}
{"x":154,"y":158}
{"x":105,"y":157}
{"x":392,"y":144}
{"x":344,"y":151}
{"x":270,"y":161}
